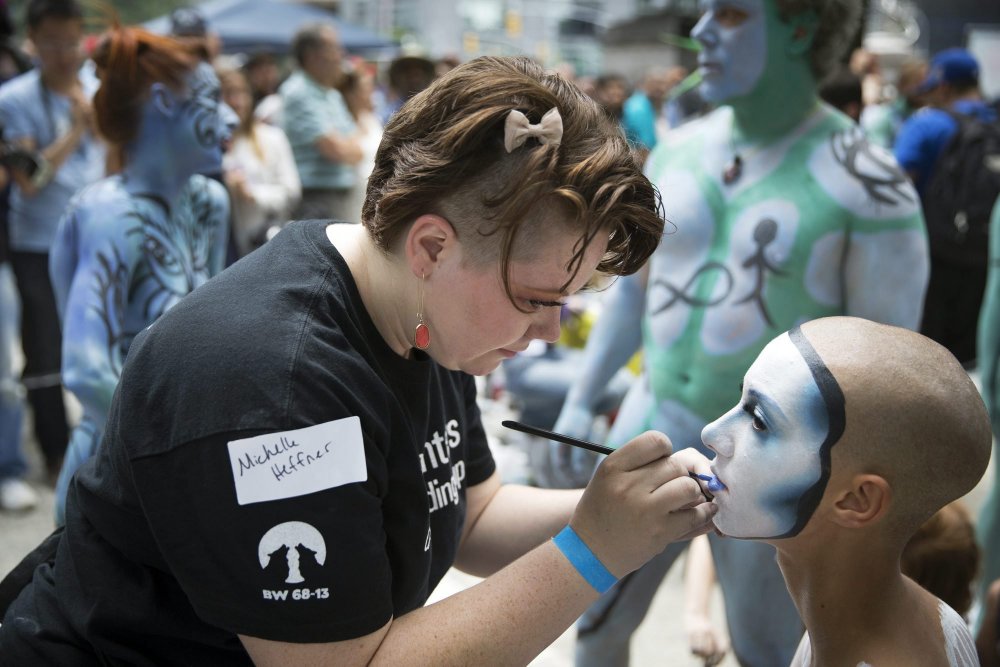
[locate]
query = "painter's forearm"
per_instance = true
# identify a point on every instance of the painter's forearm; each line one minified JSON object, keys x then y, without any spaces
{"x":518,"y":612}
{"x":517,"y":520}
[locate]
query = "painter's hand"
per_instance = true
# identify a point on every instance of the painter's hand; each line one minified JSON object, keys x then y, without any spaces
{"x":640,"y":499}
{"x":572,"y":467}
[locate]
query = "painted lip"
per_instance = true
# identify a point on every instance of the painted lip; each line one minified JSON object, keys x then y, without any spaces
{"x":724,"y":485}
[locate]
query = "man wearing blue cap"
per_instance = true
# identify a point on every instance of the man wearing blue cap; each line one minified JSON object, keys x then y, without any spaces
{"x":952,"y":83}
{"x":948,"y":175}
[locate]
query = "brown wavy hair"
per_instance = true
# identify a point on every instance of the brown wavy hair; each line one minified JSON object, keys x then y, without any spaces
{"x":129,"y":60}
{"x":943,"y":556}
{"x":443,"y":153}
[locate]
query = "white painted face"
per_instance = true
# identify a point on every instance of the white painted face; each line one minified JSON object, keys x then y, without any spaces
{"x":733,"y":38}
{"x":769,"y":446}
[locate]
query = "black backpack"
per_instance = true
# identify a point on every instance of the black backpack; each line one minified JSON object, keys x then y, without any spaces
{"x":961,"y":193}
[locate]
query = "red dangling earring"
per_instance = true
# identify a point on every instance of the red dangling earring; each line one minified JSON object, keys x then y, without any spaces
{"x":421,"y":335}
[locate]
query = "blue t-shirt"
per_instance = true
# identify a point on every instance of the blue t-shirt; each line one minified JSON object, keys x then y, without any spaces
{"x":639,"y":120}
{"x":926,"y":133}
{"x":311,"y":111}
{"x":28,"y":110}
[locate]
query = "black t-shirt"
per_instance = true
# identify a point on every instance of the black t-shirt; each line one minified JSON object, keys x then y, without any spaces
{"x":270,"y":467}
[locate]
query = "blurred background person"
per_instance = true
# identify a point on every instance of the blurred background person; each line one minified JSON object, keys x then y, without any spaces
{"x":937,"y":147}
{"x":258,"y":170}
{"x":611,"y":90}
{"x":408,"y":74}
{"x":866,"y":66}
{"x":446,"y":63}
{"x":882,"y":121}
{"x":15,"y":493}
{"x":48,"y":109}
{"x":319,"y":126}
{"x":644,"y":108}
{"x":263,"y":75}
{"x":944,"y":558}
{"x":842,"y":91}
{"x":190,"y":23}
{"x":358,"y":87}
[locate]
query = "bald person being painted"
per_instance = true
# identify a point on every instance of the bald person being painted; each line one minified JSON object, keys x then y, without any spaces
{"x":834,"y":456}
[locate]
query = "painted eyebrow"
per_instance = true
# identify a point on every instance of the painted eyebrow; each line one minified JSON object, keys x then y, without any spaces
{"x":766,"y":401}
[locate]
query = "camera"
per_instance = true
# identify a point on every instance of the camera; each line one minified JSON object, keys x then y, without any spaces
{"x":17,"y":158}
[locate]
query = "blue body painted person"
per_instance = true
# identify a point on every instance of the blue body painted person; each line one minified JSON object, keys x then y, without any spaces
{"x":833,"y":457}
{"x":132,"y":245}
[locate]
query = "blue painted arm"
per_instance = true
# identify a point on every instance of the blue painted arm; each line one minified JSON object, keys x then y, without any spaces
{"x":91,"y":265}
{"x":614,"y":339}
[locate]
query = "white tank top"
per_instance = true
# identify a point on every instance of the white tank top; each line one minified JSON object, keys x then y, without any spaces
{"x":958,"y":642}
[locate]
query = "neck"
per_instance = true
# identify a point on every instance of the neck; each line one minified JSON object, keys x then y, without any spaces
{"x":848,"y":593}
{"x":144,"y":175}
{"x":321,"y":78}
{"x":774,"y":108}
{"x":59,"y":83}
{"x":388,"y":291}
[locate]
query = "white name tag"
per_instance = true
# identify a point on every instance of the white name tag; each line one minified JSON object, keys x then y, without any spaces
{"x":296,"y":463}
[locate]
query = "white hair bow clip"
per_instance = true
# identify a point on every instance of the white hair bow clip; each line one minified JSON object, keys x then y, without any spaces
{"x":517,"y":129}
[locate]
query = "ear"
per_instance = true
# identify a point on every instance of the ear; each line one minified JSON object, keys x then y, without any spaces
{"x":865,"y":501}
{"x":164,"y":99}
{"x":803,"y":28}
{"x":429,"y":240}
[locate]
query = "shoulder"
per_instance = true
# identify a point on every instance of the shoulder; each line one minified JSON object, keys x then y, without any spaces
{"x":20,"y":89}
{"x":198,"y":184}
{"x":105,"y":200}
{"x":927,"y":121}
{"x":714,"y":123}
{"x":262,"y":346}
{"x":679,"y":146}
{"x":958,"y":641}
{"x":295,"y":87}
{"x":269,"y":134}
{"x":203,"y":191}
{"x":100,"y":215}
{"x":862,"y":177}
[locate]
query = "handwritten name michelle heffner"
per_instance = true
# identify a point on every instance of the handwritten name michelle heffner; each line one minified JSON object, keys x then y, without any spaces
{"x":290,"y":461}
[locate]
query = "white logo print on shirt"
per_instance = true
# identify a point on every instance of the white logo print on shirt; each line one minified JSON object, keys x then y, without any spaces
{"x":291,"y":535}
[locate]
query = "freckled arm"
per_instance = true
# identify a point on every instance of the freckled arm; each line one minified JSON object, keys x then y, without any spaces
{"x":92,"y":266}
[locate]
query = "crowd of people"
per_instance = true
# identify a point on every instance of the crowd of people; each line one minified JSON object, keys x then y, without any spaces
{"x":267,"y":282}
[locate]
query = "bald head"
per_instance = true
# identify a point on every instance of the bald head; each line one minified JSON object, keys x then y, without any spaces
{"x":913,"y":415}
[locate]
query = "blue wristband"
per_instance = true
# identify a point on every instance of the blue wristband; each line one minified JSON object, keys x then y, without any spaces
{"x":583,"y":559}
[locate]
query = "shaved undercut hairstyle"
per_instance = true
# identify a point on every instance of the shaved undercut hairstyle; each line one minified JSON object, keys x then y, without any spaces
{"x":443,"y":153}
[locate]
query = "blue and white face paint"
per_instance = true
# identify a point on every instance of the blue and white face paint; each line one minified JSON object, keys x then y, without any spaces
{"x":733,"y":38}
{"x":774,"y":447}
{"x":207,"y":122}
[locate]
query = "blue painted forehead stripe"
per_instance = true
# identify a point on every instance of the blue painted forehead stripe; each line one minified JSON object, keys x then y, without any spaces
{"x":833,"y":397}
